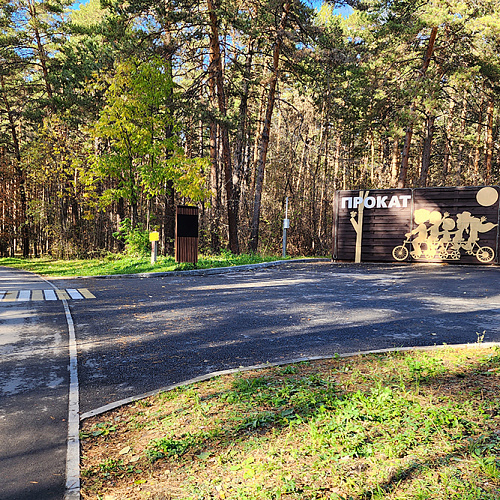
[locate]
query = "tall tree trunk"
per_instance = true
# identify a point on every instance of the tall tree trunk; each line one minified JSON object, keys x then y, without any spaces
{"x":20,"y":175}
{"x":214,"y":161}
{"x":324,"y":193}
{"x":489,"y":139}
{"x":461,"y":145}
{"x":448,"y":141}
{"x":477,"y":149}
{"x":372,"y":159}
{"x":120,"y":216}
{"x":232,"y":204}
{"x":264,"y":138}
{"x":426,"y":152}
{"x":169,"y":219}
{"x":214,"y":185}
{"x":336,"y":163}
{"x":42,"y":54}
{"x":394,"y":162}
{"x":403,"y":172}
{"x":168,"y":234}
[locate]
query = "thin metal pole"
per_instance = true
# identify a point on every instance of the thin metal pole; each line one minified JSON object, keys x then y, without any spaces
{"x":285,"y":225}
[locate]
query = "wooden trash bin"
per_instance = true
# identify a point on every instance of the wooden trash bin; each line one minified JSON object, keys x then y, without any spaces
{"x":186,"y":234}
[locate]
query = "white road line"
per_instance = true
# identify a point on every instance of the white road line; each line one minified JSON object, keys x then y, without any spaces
{"x":74,"y":293}
{"x":73,"y":447}
{"x":24,"y":295}
{"x":50,"y":295}
{"x":73,"y":440}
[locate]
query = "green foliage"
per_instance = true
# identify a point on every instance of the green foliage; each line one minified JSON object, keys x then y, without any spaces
{"x":139,"y":137}
{"x":172,"y":447}
{"x":100,"y":429}
{"x":109,"y":263}
{"x":136,"y":238}
{"x":303,"y":434}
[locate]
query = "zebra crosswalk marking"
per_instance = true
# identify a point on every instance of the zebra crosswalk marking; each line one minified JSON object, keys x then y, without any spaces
{"x":48,"y":295}
{"x":74,"y":294}
{"x":61,"y":294}
{"x":86,"y":293}
{"x":10,"y":297}
{"x":24,"y":295}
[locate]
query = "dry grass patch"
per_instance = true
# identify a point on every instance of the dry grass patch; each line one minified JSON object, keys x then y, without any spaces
{"x":419,"y":425}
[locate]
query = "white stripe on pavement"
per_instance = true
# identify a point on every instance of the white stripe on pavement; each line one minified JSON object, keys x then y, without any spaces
{"x":24,"y":295}
{"x":38,"y":295}
{"x":50,"y":295}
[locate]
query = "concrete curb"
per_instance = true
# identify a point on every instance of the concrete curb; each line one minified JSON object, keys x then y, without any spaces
{"x":241,"y":369}
{"x":198,"y":272}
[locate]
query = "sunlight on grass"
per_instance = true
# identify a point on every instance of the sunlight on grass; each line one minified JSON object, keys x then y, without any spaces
{"x":118,"y":264}
{"x":413,"y":425}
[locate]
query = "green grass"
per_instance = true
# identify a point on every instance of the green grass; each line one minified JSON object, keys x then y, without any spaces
{"x":414,"y":425}
{"x":120,"y":264}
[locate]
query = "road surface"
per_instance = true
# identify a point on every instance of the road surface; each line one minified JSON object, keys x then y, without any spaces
{"x":142,"y":334}
{"x":33,"y":390}
{"x":136,"y":335}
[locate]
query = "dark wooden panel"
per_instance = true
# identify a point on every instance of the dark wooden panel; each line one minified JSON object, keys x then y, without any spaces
{"x":383,"y":213}
{"x":186,"y":234}
{"x":443,"y":224}
{"x":186,"y":250}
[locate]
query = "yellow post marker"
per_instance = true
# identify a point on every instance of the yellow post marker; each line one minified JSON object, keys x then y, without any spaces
{"x":154,"y":237}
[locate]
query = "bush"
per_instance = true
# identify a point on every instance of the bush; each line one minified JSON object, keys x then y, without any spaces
{"x":136,"y":238}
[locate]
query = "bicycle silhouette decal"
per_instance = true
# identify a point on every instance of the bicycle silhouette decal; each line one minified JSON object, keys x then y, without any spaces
{"x":440,"y":236}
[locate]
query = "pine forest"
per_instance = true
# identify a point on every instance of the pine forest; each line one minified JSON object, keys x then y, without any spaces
{"x":114,"y":112}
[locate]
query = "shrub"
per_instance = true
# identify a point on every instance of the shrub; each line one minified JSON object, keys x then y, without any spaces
{"x":136,"y":238}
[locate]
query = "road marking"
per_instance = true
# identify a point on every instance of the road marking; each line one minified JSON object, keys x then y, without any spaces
{"x":24,"y":295}
{"x":50,"y":295}
{"x":62,"y":295}
{"x":86,"y":293}
{"x":72,"y":486}
{"x":38,"y":295}
{"x":73,"y":442}
{"x":74,"y":294}
{"x":10,"y":297}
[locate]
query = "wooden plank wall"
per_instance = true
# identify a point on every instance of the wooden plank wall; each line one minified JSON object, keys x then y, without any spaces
{"x":186,"y":234}
{"x":457,"y":225}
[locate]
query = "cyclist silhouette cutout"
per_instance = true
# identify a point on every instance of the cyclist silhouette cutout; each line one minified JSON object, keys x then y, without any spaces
{"x":444,"y":238}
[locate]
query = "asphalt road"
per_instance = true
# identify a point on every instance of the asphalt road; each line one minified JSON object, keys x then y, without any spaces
{"x":33,"y":393}
{"x":141,"y":334}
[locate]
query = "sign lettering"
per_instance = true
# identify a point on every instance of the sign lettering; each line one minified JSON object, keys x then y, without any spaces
{"x":353,"y":202}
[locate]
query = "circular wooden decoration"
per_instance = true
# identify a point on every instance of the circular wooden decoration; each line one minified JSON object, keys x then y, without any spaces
{"x":487,"y":196}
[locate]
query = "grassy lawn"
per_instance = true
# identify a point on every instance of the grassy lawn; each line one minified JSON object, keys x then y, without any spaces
{"x":414,"y":425}
{"x":120,"y":264}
